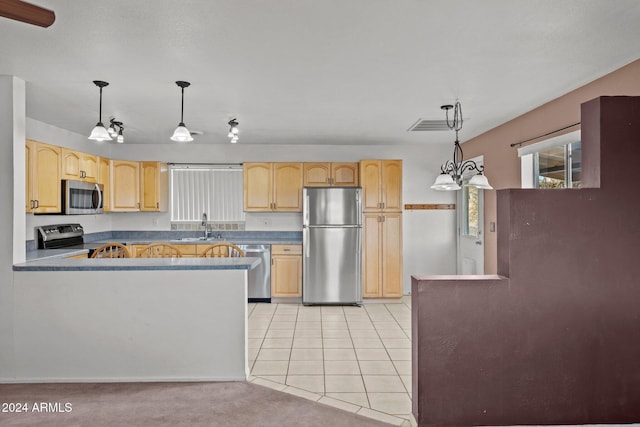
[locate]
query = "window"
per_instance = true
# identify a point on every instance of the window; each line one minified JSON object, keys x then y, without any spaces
{"x":212,"y":189}
{"x":553,"y":163}
{"x":470,"y":220}
{"x":558,"y":167}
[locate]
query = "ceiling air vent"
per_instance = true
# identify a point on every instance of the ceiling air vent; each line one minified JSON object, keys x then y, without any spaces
{"x":428,"y":125}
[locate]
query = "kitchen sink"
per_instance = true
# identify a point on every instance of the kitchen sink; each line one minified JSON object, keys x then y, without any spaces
{"x":199,"y":239}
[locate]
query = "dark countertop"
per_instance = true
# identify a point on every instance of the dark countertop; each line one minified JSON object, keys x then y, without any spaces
{"x":173,"y":237}
{"x":102,"y":264}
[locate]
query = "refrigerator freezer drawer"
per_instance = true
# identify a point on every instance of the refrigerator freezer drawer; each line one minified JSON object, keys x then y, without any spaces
{"x":332,"y":266}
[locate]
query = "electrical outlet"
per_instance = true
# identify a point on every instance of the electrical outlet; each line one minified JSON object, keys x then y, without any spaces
{"x":155,"y":221}
{"x":266,"y":221}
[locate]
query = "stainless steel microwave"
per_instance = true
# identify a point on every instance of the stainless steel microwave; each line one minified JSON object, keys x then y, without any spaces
{"x":80,"y":197}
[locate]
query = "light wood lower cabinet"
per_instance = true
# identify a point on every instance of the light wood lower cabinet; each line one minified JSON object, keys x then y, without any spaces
{"x":286,"y":270}
{"x":382,"y":255}
{"x":188,"y":250}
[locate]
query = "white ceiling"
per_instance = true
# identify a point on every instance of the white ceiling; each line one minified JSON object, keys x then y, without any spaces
{"x":309,"y":71}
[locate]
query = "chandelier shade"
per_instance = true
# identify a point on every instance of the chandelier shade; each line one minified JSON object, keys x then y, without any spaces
{"x":181,"y":134}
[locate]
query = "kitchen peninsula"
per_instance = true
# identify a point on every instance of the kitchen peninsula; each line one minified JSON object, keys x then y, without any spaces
{"x":180,"y":319}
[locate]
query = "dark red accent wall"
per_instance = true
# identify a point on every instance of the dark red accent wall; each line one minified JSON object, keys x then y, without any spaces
{"x":556,"y":338}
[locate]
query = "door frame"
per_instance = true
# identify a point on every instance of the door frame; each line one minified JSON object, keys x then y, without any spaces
{"x":462,"y":240}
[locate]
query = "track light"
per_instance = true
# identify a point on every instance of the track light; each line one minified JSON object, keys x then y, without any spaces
{"x":99,"y":133}
{"x":233,"y":130}
{"x":182,"y":134}
{"x":115,"y":130}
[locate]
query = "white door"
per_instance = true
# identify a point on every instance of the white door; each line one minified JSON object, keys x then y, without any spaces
{"x":470,"y":229}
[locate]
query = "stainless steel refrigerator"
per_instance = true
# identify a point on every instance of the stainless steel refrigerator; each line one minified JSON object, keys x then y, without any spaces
{"x":332,"y":245}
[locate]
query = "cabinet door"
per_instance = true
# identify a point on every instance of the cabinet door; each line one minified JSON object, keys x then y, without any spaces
{"x":286,"y":276}
{"x":125,"y":186}
{"x":287,"y":187}
{"x":371,"y":266}
{"x":391,"y":254}
{"x":103,"y":178}
{"x":88,"y":167}
{"x":45,"y":178}
{"x":317,"y":174}
{"x":70,"y":164}
{"x":257,"y":187}
{"x":28,"y":198}
{"x":344,"y":174}
{"x":370,"y":179}
{"x":149,"y":186}
{"x":391,"y":185}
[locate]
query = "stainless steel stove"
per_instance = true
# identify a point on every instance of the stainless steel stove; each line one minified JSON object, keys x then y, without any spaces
{"x":62,"y":236}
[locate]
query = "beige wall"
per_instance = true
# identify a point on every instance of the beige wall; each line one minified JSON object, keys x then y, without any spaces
{"x":501,"y":160}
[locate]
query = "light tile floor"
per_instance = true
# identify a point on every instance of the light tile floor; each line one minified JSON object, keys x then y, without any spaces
{"x":354,"y":358}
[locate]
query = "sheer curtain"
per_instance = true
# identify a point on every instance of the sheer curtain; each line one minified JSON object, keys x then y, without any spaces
{"x":212,"y":189}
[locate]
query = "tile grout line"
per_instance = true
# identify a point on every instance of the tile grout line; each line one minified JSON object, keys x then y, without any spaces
{"x":387,"y":350}
{"x":358,"y":359}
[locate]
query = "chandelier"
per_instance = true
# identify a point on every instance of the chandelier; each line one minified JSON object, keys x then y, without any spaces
{"x":452,"y":172}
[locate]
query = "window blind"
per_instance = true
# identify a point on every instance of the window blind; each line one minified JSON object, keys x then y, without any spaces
{"x":212,"y":189}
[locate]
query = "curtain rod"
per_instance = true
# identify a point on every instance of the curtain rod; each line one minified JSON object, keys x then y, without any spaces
{"x":540,"y":136}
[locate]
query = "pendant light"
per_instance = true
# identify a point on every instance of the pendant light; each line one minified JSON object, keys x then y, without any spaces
{"x":99,"y":133}
{"x":452,"y":172}
{"x":182,"y":134}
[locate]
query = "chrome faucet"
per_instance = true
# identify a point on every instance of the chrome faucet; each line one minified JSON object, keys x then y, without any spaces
{"x":204,"y":224}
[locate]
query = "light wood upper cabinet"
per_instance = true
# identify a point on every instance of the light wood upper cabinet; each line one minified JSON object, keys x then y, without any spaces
{"x":44,"y":193}
{"x":344,"y":174}
{"x":381,"y":182}
{"x":257,"y":187}
{"x":125,"y":186}
{"x":273,"y":187}
{"x":382,"y":255}
{"x":340,"y":174}
{"x":286,"y":270}
{"x":154,"y":186}
{"x":79,"y":166}
{"x":287,"y":187}
{"x":317,"y":174}
{"x":103,"y":178}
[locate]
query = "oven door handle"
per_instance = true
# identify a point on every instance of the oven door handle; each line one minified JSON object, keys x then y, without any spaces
{"x":97,"y":187}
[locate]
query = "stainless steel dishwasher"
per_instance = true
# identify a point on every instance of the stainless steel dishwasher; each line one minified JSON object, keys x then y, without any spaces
{"x":260,"y":277}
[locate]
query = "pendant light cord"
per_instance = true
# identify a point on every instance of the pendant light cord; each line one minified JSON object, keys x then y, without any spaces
{"x":182,"y":109}
{"x":100,"y":113}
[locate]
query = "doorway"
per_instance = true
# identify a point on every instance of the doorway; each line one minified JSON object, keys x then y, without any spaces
{"x":470,"y":227}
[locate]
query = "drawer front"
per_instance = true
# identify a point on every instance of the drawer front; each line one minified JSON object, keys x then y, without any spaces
{"x":286,"y":249}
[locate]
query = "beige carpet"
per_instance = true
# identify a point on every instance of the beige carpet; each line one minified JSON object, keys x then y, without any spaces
{"x":167,"y":404}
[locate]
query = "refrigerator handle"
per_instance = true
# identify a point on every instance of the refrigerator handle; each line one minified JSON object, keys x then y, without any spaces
{"x":305,"y":209}
{"x":305,"y":241}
